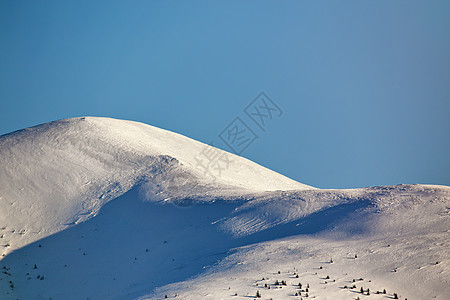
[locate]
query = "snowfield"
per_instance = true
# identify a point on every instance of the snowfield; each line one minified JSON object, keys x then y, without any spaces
{"x":98,"y":208}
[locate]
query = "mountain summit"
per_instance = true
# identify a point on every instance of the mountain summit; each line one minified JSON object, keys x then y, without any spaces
{"x":63,"y":172}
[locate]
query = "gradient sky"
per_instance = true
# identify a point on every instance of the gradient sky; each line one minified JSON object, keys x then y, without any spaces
{"x":364,"y":85}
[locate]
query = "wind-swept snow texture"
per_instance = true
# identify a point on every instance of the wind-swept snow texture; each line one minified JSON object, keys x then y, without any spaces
{"x":173,"y":230}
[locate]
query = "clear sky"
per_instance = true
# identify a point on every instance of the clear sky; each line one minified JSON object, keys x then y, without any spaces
{"x":364,"y":86}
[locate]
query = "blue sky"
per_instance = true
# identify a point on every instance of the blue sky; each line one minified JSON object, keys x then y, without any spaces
{"x":364,"y":85}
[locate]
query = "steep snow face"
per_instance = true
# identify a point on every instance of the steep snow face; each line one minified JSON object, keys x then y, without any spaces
{"x":61,"y":173}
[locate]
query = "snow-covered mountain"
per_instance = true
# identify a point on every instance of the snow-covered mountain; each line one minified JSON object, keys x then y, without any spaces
{"x":98,"y":208}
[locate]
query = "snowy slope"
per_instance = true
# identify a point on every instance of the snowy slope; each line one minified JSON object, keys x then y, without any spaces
{"x":173,"y":230}
{"x":393,"y":238}
{"x":61,"y":173}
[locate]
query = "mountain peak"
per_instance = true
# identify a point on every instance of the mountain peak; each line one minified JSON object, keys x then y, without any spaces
{"x":68,"y":169}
